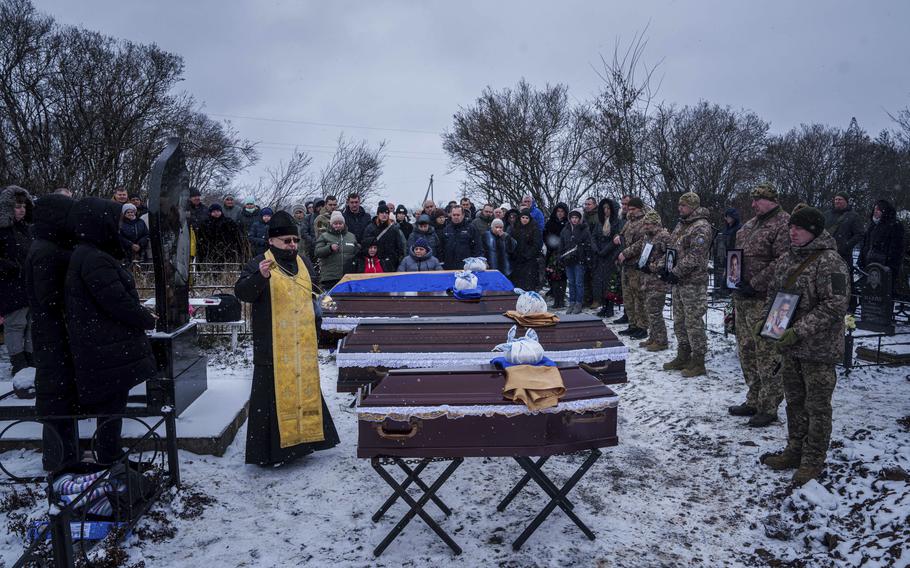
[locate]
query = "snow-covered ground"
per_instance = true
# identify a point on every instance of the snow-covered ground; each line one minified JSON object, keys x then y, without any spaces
{"x":684,"y":487}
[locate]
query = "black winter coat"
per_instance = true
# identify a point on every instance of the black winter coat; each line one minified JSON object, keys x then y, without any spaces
{"x":430,"y":236}
{"x":604,"y":252}
{"x":498,"y":252}
{"x":134,"y":232}
{"x":460,"y":242}
{"x":525,"y":269}
{"x":576,"y":237}
{"x":14,"y":243}
{"x":106,"y":322}
{"x":45,"y":275}
{"x":357,"y":224}
{"x":391,"y":244}
{"x":253,"y":288}
{"x":884,"y":241}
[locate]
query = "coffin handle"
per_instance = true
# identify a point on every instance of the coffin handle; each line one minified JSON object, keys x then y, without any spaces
{"x":594,"y":370}
{"x":399,"y":435}
{"x":570,"y":419}
{"x":379,"y":372}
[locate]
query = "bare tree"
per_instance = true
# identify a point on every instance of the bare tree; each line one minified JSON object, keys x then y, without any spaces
{"x":287,"y":183}
{"x":356,"y":167}
{"x":623,"y":109}
{"x":805,"y":163}
{"x":526,"y":141}
{"x":214,"y":150}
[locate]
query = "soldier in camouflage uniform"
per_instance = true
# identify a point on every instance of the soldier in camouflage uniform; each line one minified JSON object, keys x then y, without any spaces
{"x":632,"y":293}
{"x":691,"y":238}
{"x":813,"y":342}
{"x":654,"y":290}
{"x":763,"y":239}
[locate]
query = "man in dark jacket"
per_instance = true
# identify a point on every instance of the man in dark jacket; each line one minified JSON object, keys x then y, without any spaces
{"x":423,"y":229}
{"x":844,"y":224}
{"x":45,"y":273}
{"x":248,"y":215}
{"x":384,"y":233}
{"x":884,"y":239}
{"x":198,"y":212}
{"x":230,"y":210}
{"x":105,"y":321}
{"x":258,"y":232}
{"x":460,"y":240}
{"x":15,"y":218}
{"x":219,"y":240}
{"x":355,"y":218}
{"x":404,"y":222}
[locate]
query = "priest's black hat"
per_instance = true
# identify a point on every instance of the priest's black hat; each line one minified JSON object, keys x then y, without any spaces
{"x":281,"y":225}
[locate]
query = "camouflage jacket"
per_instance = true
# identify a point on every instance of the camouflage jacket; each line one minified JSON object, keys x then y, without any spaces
{"x":692,"y":238}
{"x":824,"y":291}
{"x":660,"y":240}
{"x":763,"y":239}
{"x":632,"y":233}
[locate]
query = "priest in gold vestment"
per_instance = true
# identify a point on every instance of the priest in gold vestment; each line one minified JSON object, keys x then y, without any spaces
{"x":288,"y":417}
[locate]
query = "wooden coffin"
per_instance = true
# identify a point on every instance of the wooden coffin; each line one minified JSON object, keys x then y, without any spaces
{"x":462,"y":413}
{"x":377,"y":345}
{"x":350,"y":309}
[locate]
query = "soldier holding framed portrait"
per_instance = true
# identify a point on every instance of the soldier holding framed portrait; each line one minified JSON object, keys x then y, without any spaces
{"x":809,"y":338}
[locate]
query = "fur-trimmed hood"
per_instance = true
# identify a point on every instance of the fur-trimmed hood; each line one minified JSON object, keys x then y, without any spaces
{"x":8,"y":198}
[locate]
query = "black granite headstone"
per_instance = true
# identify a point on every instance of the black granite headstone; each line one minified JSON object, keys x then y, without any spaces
{"x":877,"y":301}
{"x":169,"y":194}
{"x":182,"y":373}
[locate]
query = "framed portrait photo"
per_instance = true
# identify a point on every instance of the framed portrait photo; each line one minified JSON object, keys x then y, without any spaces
{"x":779,"y":317}
{"x":734,"y":270}
{"x":670,"y":262}
{"x":645,"y":255}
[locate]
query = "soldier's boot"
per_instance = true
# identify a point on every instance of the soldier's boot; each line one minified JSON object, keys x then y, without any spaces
{"x":762,"y":419}
{"x":807,"y":473}
{"x":622,"y":319}
{"x":786,"y":459}
{"x":640,"y":333}
{"x":653,"y":347}
{"x":680,"y":362}
{"x":644,"y":343}
{"x":696,"y":367}
{"x":744,"y":409}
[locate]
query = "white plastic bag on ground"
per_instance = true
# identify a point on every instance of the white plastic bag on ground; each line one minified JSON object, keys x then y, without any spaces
{"x":522,"y":351}
{"x":477,"y":264}
{"x":465,"y":280}
{"x":530,"y":303}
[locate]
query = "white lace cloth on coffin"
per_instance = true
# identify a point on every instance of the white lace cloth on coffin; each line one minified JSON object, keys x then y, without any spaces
{"x":404,"y":413}
{"x":449,"y":359}
{"x":347,"y":323}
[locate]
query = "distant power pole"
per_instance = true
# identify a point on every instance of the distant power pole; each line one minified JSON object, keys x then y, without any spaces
{"x":429,"y":194}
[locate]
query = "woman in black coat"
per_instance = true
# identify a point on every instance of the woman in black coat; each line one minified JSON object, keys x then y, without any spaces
{"x":527,"y":250}
{"x":388,"y":238}
{"x":45,"y":274}
{"x":605,"y":273}
{"x":884,"y":240}
{"x":556,"y":273}
{"x":15,"y":218}
{"x":105,"y":321}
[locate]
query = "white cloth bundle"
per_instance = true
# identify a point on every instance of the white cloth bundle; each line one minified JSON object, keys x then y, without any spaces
{"x":522,"y":351}
{"x":465,"y":280}
{"x":477,"y":264}
{"x":530,"y":303}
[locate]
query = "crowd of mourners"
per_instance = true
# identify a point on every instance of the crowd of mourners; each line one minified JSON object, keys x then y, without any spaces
{"x":64,"y":265}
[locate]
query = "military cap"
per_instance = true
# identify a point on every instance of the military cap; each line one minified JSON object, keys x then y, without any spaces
{"x":691,"y":199}
{"x":810,"y":219}
{"x":764,"y":190}
{"x":651,"y":218}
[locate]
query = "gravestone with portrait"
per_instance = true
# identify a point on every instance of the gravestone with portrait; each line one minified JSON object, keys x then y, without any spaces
{"x":181,"y":367}
{"x":877,"y":301}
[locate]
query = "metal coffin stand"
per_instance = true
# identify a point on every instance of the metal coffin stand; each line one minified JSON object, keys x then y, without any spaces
{"x":377,"y":345}
{"x":417,"y":417}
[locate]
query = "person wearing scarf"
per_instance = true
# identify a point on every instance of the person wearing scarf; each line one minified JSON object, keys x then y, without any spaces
{"x":288,"y":417}
{"x":556,"y":273}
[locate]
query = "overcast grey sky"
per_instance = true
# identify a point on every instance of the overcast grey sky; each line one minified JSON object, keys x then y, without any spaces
{"x":403,"y":68}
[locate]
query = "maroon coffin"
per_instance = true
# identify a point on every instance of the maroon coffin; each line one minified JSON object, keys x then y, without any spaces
{"x":462,"y":413}
{"x":381,"y":339}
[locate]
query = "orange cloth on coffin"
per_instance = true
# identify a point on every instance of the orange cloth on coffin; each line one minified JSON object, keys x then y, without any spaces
{"x":533,"y":320}
{"x":537,"y":387}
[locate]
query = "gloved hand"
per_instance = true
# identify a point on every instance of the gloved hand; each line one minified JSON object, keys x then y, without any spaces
{"x":745,"y":289}
{"x":756,"y":329}
{"x":788,"y":339}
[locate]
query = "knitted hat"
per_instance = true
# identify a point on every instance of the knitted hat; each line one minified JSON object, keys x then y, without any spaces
{"x":525,"y":212}
{"x":810,"y":219}
{"x":249,"y":201}
{"x":690,"y":199}
{"x":424,"y":218}
{"x":401,"y":209}
{"x":336,"y":216}
{"x":764,"y":190}
{"x":281,"y":225}
{"x":383,"y":208}
{"x":842,"y":195}
{"x":497,"y":223}
{"x":651,"y":218}
{"x":214,"y":207}
{"x":576,"y":212}
{"x":636,"y":202}
{"x":127,"y":207}
{"x":299,"y":207}
{"x":422,"y":243}
{"x":266,"y":211}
